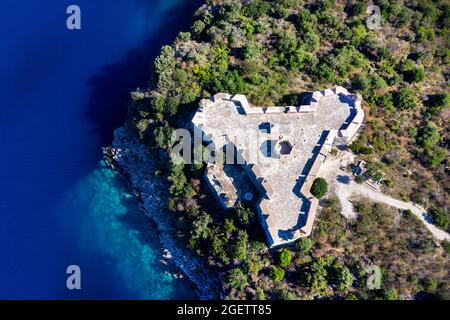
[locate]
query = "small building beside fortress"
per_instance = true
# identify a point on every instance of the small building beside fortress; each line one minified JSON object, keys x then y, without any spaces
{"x":277,"y":153}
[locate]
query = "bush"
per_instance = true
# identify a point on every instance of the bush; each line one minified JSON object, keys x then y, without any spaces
{"x":317,"y":274}
{"x":304,"y":244}
{"x":357,"y":147}
{"x":429,"y":136}
{"x":446,"y":246}
{"x":359,"y":179}
{"x":436,"y":156}
{"x":237,"y":279}
{"x":440,"y":217}
{"x":276,"y":274}
{"x":179,"y":186}
{"x":417,"y":75}
{"x":358,"y":8}
{"x":252,"y":51}
{"x":285,"y":258}
{"x":344,"y":279}
{"x":437,"y":102}
{"x":244,"y":214}
{"x":425,"y":34}
{"x":260,"y":295}
{"x":239,"y":249}
{"x":430,"y":284}
{"x":319,"y":188}
{"x":390,"y":294}
{"x":405,"y":99}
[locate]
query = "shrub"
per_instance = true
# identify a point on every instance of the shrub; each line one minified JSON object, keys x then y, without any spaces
{"x":430,"y":284}
{"x":179,"y":186}
{"x":260,"y":295}
{"x":252,"y":51}
{"x":304,"y":244}
{"x":244,"y":214}
{"x":436,"y":156}
{"x":405,"y":99}
{"x":438,"y":102}
{"x":429,"y":136}
{"x":359,"y":179}
{"x":285,"y":258}
{"x":237,"y":279}
{"x":319,"y":188}
{"x":413,"y":74}
{"x":239,"y":249}
{"x":358,"y":34}
{"x":424,"y":34}
{"x":390,"y":294}
{"x":276,"y":273}
{"x":446,"y":246}
{"x":344,"y":279}
{"x":440,"y":217}
{"x":218,"y":249}
{"x":316,"y":275}
{"x":417,"y":75}
{"x":359,"y":8}
{"x":357,"y":147}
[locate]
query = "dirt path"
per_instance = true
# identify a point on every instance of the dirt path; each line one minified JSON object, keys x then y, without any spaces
{"x":344,"y":187}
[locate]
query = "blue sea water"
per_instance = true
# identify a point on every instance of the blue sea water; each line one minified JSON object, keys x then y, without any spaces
{"x":62,"y":93}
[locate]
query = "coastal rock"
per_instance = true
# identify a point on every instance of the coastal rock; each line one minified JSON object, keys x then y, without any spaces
{"x":128,"y":156}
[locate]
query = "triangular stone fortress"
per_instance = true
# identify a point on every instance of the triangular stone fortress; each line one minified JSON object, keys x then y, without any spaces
{"x":280,"y":150}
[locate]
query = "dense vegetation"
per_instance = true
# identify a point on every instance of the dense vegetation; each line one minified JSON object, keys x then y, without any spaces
{"x":273,"y":51}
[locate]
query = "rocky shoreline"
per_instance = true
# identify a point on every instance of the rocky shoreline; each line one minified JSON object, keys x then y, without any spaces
{"x":130,"y":157}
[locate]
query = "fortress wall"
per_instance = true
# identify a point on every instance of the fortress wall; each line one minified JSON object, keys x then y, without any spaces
{"x":275,"y":110}
{"x":262,"y":185}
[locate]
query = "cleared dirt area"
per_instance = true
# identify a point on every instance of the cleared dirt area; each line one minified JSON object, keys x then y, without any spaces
{"x":344,"y":187}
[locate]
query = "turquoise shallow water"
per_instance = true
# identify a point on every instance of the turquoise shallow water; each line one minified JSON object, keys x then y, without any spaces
{"x":117,"y":239}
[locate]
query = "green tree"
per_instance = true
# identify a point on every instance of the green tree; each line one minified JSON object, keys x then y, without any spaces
{"x":436,"y":155}
{"x":316,"y":276}
{"x":358,"y":34}
{"x":252,"y":51}
{"x":319,"y":188}
{"x":359,"y":8}
{"x":285,"y":258}
{"x":390,"y":294}
{"x":440,"y":217}
{"x":239,"y":249}
{"x":260,"y":295}
{"x":237,"y":279}
{"x":287,"y":42}
{"x":244,"y":214}
{"x":163,"y":136}
{"x":429,"y":136}
{"x":446,"y":246}
{"x":197,"y":28}
{"x":201,"y":226}
{"x":430,"y":284}
{"x":405,"y":99}
{"x":359,"y":179}
{"x":417,"y":74}
{"x":165,"y":66}
{"x":425,"y":34}
{"x":438,"y":102}
{"x":344,"y":279}
{"x":304,"y":244}
{"x":276,"y":273}
{"x":179,"y":186}
{"x":218,"y":249}
{"x":229,"y":226}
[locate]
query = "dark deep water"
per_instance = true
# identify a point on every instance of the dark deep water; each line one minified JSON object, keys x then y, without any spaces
{"x":62,"y":93}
